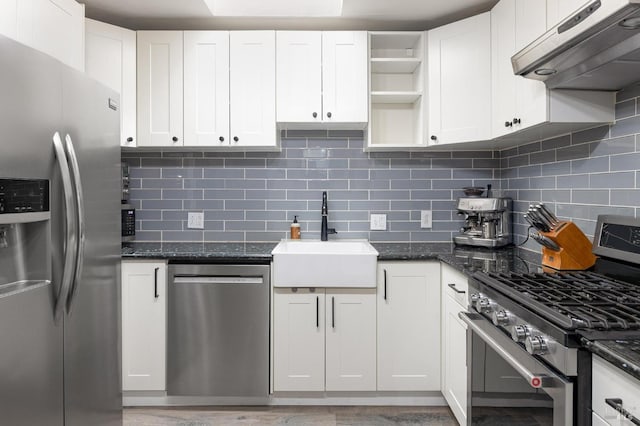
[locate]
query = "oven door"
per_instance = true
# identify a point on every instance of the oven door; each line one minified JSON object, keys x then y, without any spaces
{"x":536,"y":396}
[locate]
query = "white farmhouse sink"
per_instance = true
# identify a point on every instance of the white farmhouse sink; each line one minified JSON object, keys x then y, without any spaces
{"x":313,"y":263}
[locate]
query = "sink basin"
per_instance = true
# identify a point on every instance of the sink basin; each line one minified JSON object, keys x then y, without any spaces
{"x":313,"y":263}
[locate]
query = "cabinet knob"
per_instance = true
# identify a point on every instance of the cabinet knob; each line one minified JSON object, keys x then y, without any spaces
{"x":433,"y":137}
{"x":329,"y":115}
{"x":175,"y":139}
{"x":315,"y":115}
{"x":236,"y":139}
{"x":129,"y":139}
{"x":221,"y":138}
{"x":516,"y":121}
{"x":508,"y":124}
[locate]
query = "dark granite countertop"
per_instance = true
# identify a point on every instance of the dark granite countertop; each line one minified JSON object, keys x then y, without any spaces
{"x":624,"y":354}
{"x":467,"y":260}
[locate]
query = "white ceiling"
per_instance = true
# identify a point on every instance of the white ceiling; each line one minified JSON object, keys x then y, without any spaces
{"x":357,"y":14}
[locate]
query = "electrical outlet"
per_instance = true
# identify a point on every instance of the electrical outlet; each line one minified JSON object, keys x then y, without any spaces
{"x":378,"y":222}
{"x":426,"y":217}
{"x":195,"y":220}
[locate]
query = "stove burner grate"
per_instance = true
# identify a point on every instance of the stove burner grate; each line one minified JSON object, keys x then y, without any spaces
{"x":573,"y":300}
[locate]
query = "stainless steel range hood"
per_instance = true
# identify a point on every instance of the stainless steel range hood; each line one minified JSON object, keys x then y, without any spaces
{"x":597,"y":48}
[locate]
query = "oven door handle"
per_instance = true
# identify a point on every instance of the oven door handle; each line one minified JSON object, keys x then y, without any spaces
{"x":483,"y":329}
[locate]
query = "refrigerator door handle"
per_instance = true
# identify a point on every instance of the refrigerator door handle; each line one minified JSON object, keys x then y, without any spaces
{"x":71,"y":239}
{"x":75,"y":173}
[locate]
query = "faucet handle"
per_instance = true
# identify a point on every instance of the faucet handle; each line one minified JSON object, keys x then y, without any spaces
{"x":332,"y":231}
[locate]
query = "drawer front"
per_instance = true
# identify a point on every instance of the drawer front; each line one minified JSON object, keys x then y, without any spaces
{"x":611,"y":382}
{"x":455,"y":284}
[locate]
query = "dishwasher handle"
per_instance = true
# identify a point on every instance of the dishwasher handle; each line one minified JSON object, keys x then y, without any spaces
{"x":208,"y":279}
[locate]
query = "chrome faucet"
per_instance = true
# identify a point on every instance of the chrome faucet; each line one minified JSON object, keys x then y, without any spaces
{"x":324,"y":229}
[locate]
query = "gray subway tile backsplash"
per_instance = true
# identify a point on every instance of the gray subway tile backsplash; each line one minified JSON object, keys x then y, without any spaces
{"x":253,"y":196}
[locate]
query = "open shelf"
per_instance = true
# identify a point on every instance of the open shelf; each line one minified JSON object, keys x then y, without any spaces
{"x":395,"y":65}
{"x":395,"y":97}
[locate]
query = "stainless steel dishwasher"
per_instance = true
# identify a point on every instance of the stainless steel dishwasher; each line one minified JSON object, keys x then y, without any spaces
{"x":218,"y":330}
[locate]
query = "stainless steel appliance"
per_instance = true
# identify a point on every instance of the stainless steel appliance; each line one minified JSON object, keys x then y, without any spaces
{"x":218,"y":338}
{"x":487,"y":222}
{"x":537,"y":326}
{"x":59,"y":363}
{"x":596,"y":48}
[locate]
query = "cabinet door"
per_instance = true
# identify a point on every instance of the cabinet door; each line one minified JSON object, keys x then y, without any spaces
{"x":206,"y":88}
{"x":110,"y":58}
{"x":408,"y":326}
{"x":298,"y":340}
{"x":160,"y":88}
{"x":453,"y":51}
{"x":253,"y":88}
{"x":503,"y":81}
{"x":344,"y":76}
{"x":531,"y":95}
{"x":299,"y":76}
{"x":350,"y":339}
{"x":9,"y":18}
{"x":144,"y":322}
{"x":454,"y":359}
{"x":55,"y":27}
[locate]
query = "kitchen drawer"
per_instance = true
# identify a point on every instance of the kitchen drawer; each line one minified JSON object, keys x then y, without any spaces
{"x":611,"y":382}
{"x":455,"y":284}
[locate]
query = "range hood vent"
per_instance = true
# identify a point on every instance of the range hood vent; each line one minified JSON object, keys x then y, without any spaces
{"x":597,"y":48}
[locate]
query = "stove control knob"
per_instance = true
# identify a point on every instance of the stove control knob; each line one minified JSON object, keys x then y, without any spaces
{"x":474,"y":297}
{"x":484,"y":305}
{"x":520,"y":332}
{"x":536,"y":345}
{"x":501,"y":318}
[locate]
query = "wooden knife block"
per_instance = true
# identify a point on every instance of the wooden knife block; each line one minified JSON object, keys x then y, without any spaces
{"x":575,"y":249}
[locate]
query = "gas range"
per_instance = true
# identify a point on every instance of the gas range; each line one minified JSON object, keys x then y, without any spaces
{"x":542,"y":319}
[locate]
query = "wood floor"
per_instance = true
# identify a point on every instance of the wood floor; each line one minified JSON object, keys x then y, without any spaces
{"x":277,"y":415}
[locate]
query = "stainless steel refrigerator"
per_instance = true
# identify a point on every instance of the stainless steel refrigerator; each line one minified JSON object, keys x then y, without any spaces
{"x":60,"y":341}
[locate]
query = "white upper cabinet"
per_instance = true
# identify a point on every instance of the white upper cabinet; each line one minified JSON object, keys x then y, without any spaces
{"x":299,"y":76}
{"x":9,"y":18}
{"x":523,"y":109}
{"x":55,"y":27}
{"x":160,"y":106}
{"x":206,"y":88}
{"x":110,"y":58}
{"x":344,"y":76}
{"x":252,"y":88}
{"x":321,"y":77}
{"x":459,"y":81}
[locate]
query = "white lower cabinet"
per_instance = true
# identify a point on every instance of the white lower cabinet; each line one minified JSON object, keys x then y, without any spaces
{"x":324,"y":339}
{"x":144,"y":325}
{"x":610,"y":382}
{"x":408,"y":326}
{"x":454,"y":342}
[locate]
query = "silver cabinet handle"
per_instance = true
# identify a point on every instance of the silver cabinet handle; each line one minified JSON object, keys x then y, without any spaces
{"x":453,"y":287}
{"x":75,"y":172}
{"x":71,"y":240}
{"x":616,"y":404}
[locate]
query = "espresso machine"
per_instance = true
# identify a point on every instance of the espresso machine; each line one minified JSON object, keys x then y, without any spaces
{"x":487,"y":222}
